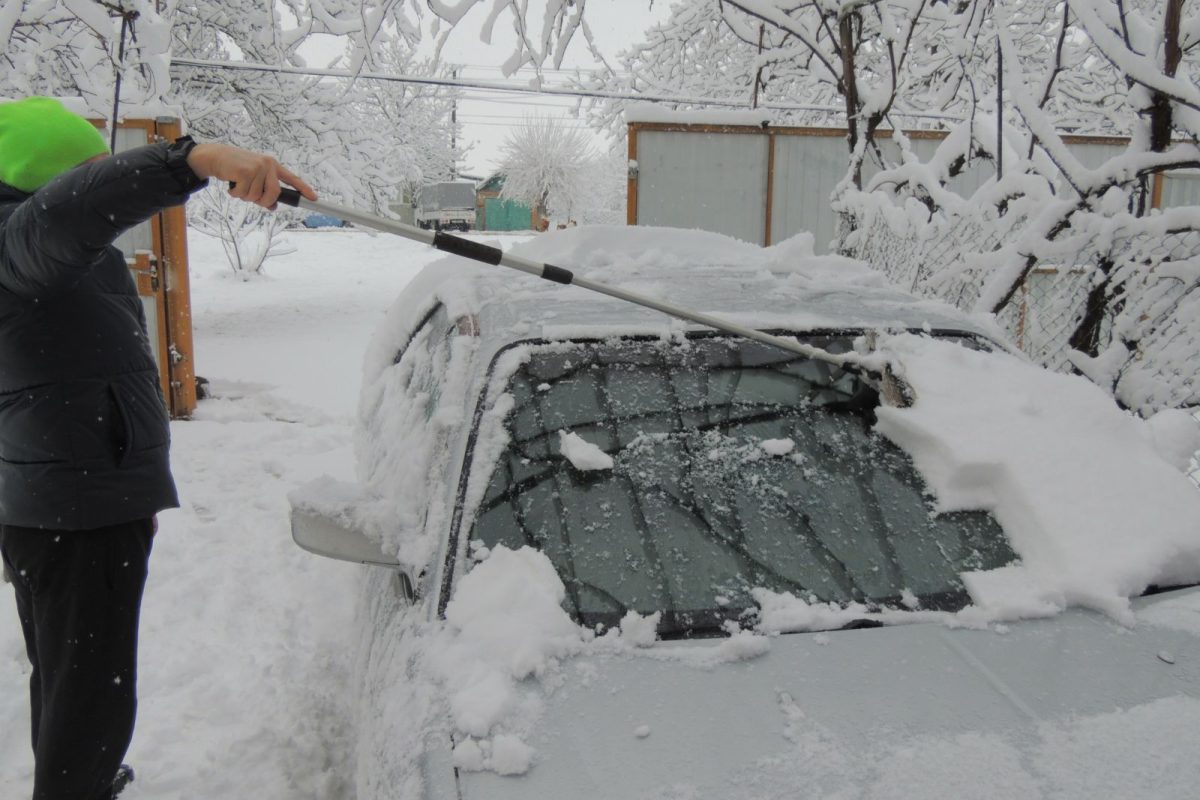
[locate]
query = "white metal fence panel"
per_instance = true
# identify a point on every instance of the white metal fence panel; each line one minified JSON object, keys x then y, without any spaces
{"x":807,"y":168}
{"x":712,"y":181}
{"x":1094,"y":154}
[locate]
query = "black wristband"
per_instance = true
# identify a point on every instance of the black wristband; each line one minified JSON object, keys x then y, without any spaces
{"x":177,"y":154}
{"x":184,"y":143}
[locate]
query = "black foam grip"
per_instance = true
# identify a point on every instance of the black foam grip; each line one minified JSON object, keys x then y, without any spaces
{"x":467,"y":248}
{"x":289,"y":197}
{"x":557,"y":274}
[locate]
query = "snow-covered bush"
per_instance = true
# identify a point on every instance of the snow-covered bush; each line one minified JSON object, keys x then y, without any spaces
{"x":249,"y":234}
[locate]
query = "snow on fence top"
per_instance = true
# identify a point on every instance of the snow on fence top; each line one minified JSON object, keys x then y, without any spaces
{"x":652,"y":112}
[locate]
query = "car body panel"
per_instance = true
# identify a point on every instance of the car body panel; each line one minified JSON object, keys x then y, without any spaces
{"x":866,"y":693}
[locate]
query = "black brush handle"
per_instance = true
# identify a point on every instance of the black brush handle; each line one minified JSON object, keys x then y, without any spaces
{"x":289,"y":197}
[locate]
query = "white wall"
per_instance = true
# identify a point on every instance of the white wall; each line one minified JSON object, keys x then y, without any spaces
{"x":807,"y":168}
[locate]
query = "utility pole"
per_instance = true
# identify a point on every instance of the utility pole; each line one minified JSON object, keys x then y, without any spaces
{"x":454,"y":128}
{"x":999,"y":111}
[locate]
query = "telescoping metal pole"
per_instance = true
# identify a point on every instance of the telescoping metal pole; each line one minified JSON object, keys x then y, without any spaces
{"x":459,"y":246}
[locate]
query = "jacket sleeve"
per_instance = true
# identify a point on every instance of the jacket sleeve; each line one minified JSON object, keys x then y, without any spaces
{"x":56,"y":234}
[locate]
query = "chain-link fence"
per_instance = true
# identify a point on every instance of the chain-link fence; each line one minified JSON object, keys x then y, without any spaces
{"x":1046,"y":311}
{"x":1155,"y":313}
{"x":1160,"y":319}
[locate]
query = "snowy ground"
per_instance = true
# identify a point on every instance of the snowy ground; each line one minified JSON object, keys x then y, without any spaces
{"x":245,"y":638}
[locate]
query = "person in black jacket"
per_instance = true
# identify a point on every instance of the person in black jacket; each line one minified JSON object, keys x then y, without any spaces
{"x":84,"y":431}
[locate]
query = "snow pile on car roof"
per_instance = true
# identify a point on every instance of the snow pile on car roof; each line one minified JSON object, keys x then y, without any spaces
{"x":630,"y":249}
{"x":1094,"y":509}
{"x":781,"y":286}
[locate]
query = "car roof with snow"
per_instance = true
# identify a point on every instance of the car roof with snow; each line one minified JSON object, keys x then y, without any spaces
{"x":784,"y":287}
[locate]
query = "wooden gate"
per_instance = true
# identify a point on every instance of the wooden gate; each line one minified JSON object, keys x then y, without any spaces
{"x":156,"y":252}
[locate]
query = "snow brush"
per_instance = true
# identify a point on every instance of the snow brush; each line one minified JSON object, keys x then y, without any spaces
{"x":893,"y":390}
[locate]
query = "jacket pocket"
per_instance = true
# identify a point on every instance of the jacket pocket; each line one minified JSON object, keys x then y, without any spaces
{"x":142,"y":413}
{"x":124,"y":430}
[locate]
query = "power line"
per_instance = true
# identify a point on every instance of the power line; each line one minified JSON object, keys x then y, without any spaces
{"x":473,"y":97}
{"x":461,"y":83}
{"x":517,"y":125}
{"x":545,"y":70}
{"x":554,"y":91}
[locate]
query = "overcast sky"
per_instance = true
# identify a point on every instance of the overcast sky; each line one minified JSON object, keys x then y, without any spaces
{"x":489,"y":116}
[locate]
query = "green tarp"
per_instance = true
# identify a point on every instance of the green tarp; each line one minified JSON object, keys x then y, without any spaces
{"x":506,"y":215}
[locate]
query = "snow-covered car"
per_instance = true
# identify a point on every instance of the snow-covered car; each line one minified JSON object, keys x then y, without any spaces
{"x":625,"y":557}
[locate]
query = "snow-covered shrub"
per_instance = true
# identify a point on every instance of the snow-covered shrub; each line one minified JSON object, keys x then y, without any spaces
{"x":249,"y":234}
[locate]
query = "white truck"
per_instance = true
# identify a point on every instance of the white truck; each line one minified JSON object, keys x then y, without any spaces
{"x":446,"y":205}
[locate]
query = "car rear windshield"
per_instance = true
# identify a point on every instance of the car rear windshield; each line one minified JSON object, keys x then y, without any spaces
{"x":735,"y":466}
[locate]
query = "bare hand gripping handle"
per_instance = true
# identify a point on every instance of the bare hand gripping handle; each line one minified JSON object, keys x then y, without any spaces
{"x":287,"y":195}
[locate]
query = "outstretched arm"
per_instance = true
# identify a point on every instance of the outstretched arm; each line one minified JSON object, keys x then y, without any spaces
{"x":52,"y":238}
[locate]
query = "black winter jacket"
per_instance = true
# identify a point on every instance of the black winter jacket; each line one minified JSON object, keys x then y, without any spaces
{"x":83,"y":428}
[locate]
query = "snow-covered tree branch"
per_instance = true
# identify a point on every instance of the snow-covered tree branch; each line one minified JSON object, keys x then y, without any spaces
{"x":362,"y":142}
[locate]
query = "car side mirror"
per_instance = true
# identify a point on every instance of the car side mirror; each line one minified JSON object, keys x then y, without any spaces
{"x":325,"y":521}
{"x":333,"y":537}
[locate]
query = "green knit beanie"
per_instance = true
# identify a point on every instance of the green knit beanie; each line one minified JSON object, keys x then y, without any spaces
{"x":40,"y":138}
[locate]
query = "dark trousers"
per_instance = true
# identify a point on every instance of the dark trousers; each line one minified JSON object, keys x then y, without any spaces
{"x":79,"y":594}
